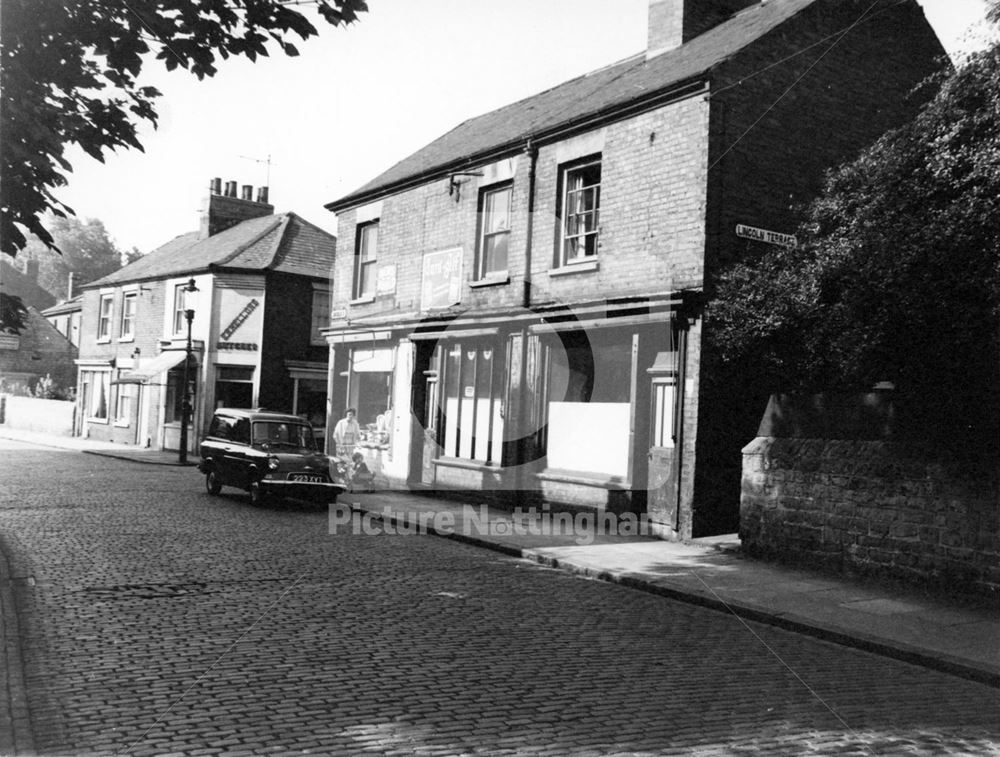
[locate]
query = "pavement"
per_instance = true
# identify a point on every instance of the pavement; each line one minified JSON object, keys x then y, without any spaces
{"x":951,"y":634}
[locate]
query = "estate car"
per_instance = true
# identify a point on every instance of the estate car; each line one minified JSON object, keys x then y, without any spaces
{"x":268,"y":455}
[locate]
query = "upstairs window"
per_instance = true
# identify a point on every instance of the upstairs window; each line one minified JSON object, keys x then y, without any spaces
{"x":494,"y":236}
{"x":104,"y":317}
{"x":365,"y":255}
{"x":128,"y":316}
{"x":180,"y":297}
{"x":320,"y":315}
{"x":580,"y":205}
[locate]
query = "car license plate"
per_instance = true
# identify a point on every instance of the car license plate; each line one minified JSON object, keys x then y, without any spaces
{"x":311,"y":477}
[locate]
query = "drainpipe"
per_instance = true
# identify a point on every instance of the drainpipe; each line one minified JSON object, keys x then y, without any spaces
{"x":522,"y":406}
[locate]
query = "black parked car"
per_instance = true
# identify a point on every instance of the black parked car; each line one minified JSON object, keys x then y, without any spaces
{"x":268,"y":455}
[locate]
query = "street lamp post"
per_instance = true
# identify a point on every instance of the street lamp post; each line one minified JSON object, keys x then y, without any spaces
{"x":186,"y":402}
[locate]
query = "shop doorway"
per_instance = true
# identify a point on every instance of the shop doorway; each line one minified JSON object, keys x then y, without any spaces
{"x":664,"y":437}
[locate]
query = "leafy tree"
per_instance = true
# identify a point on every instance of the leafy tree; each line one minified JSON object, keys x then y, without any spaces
{"x":69,"y":73}
{"x":897,"y":273}
{"x":86,"y":250}
{"x":13,"y":314}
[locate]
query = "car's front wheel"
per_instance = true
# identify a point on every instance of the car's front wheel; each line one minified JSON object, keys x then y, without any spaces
{"x":213,"y":483}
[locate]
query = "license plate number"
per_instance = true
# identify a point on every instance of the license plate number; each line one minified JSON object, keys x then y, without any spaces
{"x":311,"y":477}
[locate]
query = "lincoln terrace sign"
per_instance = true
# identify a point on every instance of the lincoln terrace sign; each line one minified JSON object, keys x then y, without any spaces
{"x":763,"y":235}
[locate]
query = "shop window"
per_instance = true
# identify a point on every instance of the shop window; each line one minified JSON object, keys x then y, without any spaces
{"x":472,"y":418}
{"x":371,"y":393}
{"x":494,"y":231}
{"x":175,"y":391}
{"x":234,"y":386}
{"x":589,"y":403}
{"x":107,"y":307}
{"x":580,"y":202}
{"x":365,"y":258}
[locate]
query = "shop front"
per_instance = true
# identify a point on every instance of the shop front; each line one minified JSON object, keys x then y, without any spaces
{"x":581,"y":408}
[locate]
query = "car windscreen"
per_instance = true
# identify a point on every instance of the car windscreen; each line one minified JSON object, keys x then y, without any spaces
{"x":283,"y":434}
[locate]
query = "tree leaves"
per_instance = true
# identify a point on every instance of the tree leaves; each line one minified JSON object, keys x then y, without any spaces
{"x":69,"y":69}
{"x":897,"y":274}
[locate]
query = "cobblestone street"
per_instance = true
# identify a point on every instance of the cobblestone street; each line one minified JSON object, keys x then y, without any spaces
{"x":157,"y":620}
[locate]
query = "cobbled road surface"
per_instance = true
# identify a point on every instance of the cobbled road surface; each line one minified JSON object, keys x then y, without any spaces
{"x":157,"y":620}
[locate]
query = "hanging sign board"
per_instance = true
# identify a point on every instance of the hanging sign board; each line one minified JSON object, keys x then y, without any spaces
{"x":441,"y":285}
{"x":763,"y":235}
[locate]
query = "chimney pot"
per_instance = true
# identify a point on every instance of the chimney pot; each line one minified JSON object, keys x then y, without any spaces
{"x":248,"y":192}
{"x":230,"y":189}
{"x":216,"y":186}
{"x":262,"y":194}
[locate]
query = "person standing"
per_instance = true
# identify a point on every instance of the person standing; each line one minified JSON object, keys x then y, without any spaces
{"x":346,"y":434}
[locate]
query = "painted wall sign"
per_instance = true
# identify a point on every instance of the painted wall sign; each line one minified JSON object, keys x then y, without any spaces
{"x":239,"y":319}
{"x":242,"y":346}
{"x":385,"y":282}
{"x":763,"y":235}
{"x":441,"y":285}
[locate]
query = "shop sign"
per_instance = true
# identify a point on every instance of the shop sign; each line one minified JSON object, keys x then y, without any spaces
{"x":242,"y":346}
{"x":239,"y":319}
{"x":763,"y":235}
{"x":441,"y":286}
{"x":338,"y":314}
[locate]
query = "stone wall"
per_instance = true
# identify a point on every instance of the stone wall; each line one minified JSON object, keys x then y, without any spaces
{"x":872,"y":507}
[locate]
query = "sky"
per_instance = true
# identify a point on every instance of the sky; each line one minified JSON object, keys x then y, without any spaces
{"x":359,"y":99}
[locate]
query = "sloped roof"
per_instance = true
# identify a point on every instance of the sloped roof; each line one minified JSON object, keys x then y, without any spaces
{"x":15,"y":283}
{"x":71,"y":305}
{"x":617,"y":85}
{"x":271,"y":242}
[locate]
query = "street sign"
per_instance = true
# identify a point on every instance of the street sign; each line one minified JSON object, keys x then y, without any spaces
{"x":763,"y":235}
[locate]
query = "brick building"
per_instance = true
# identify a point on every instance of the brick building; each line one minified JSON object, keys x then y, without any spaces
{"x":39,"y":349}
{"x":262,"y":282}
{"x":523,"y":311}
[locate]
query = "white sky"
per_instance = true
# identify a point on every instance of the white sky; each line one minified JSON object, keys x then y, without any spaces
{"x":357,"y":100}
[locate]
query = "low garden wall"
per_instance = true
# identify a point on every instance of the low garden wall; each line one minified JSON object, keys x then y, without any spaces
{"x":872,"y":506}
{"x":33,"y":414}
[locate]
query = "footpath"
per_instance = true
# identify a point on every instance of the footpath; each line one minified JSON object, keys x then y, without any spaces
{"x":960,"y":637}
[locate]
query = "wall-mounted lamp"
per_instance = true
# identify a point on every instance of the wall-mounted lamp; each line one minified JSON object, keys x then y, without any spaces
{"x":455,"y":186}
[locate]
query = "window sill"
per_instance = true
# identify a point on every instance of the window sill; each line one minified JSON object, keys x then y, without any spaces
{"x":362,"y":300}
{"x":126,"y":339}
{"x":121,"y":424}
{"x":493,"y":279}
{"x":457,"y":462}
{"x":571,"y":268}
{"x":102,"y":421}
{"x":597,"y":480}
{"x":104,"y":340}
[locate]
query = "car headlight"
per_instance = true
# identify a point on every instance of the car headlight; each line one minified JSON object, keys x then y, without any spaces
{"x":272,"y":462}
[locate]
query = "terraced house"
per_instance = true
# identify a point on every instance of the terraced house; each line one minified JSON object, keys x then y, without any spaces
{"x":519,"y":305}
{"x":250,"y":288}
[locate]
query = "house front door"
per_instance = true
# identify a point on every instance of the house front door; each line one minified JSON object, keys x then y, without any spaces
{"x":663,"y":452}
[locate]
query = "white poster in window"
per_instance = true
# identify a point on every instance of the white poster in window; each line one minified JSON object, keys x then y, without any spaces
{"x":385,"y":283}
{"x":591,"y":437}
{"x":441,"y":285}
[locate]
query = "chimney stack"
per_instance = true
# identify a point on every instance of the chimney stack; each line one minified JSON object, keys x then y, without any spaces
{"x":674,"y":22}
{"x":223,"y":210}
{"x":69,"y":287}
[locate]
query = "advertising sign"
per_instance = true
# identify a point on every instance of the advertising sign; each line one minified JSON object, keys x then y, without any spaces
{"x":441,"y":285}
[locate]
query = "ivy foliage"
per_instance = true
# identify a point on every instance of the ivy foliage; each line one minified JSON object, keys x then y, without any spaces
{"x":69,"y":72}
{"x":896,"y":276}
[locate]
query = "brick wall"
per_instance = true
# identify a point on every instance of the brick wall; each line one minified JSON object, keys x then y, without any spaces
{"x":870,"y":507}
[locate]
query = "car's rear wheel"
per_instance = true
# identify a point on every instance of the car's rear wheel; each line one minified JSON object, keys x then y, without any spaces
{"x":213,"y":483}
{"x":257,"y":495}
